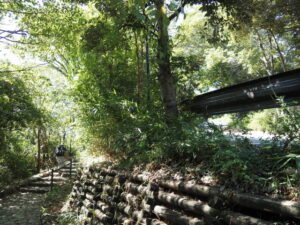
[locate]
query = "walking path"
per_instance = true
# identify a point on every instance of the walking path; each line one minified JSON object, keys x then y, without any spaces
{"x":21,"y":209}
{"x":25,"y":206}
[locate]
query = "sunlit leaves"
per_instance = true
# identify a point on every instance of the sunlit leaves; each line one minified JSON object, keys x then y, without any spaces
{"x":16,"y":106}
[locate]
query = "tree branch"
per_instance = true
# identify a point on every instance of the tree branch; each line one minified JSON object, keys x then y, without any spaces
{"x":24,"y":33}
{"x":59,"y":70}
{"x":19,"y":32}
{"x":24,"y":69}
{"x":176,"y":13}
{"x":19,"y":42}
{"x":19,"y":12}
{"x":282,"y":60}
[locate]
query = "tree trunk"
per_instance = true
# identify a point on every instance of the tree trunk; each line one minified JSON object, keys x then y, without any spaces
{"x":39,"y":150}
{"x":167,"y":86}
{"x":148,"y":69}
{"x":44,"y":147}
{"x":139,"y":67}
{"x":64,"y":136}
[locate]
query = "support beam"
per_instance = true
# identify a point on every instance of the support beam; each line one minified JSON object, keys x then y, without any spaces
{"x":249,"y":96}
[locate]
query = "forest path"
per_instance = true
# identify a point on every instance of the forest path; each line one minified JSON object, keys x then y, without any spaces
{"x":25,"y":206}
{"x":21,"y":209}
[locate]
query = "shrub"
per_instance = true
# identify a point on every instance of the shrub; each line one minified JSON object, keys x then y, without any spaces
{"x":285,"y":124}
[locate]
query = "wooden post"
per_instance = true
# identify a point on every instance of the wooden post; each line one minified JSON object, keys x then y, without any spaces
{"x":70,"y":151}
{"x":51,"y":186}
{"x":70,"y":168}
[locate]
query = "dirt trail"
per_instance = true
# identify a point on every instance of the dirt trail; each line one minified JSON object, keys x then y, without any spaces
{"x":21,"y":209}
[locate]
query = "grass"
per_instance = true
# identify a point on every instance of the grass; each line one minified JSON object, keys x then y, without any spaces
{"x":54,"y":202}
{"x":59,"y":193}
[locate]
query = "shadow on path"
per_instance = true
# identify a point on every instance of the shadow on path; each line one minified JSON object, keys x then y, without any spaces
{"x":21,"y":209}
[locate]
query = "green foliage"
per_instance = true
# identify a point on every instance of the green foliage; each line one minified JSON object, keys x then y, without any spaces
{"x":223,"y":74}
{"x":266,"y":169}
{"x":26,"y":110}
{"x":99,"y":46}
{"x":55,"y":198}
{"x":16,"y":159}
{"x":17,"y":111}
{"x":240,"y":163}
{"x":145,"y":137}
{"x":232,"y":163}
{"x":284,"y":123}
{"x":58,"y":194}
{"x":240,"y":121}
{"x":69,"y":218}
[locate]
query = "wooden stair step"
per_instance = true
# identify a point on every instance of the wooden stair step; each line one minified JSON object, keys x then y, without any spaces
{"x":56,"y":174}
{"x":73,"y":165}
{"x":67,"y":175}
{"x":55,"y":179}
{"x":42,"y":184}
{"x":68,"y":170}
{"x":37,"y":190}
{"x":68,"y":166}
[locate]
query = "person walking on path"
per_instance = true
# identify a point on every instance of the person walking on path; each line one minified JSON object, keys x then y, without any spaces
{"x":61,"y":154}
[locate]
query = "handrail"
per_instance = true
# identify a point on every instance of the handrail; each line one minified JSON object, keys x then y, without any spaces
{"x":58,"y":168}
{"x":253,"y":95}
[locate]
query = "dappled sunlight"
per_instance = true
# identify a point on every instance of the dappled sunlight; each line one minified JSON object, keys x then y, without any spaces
{"x":88,"y":160}
{"x":22,"y":208}
{"x":196,"y":102}
{"x":290,"y":203}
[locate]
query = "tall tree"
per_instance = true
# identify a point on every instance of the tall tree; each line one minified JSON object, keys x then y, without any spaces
{"x":156,"y":16}
{"x":165,"y":75}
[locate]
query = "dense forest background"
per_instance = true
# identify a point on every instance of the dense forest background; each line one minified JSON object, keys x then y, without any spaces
{"x":107,"y":78}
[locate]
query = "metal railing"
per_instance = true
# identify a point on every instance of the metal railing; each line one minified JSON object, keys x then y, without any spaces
{"x":249,"y":96}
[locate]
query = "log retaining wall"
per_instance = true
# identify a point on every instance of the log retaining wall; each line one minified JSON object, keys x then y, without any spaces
{"x":105,"y":195}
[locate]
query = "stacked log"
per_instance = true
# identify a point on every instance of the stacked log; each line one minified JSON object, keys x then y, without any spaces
{"x":103,"y":195}
{"x":279,"y":207}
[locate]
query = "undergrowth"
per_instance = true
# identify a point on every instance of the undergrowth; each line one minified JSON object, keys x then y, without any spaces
{"x":54,"y":201}
{"x":145,"y":138}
